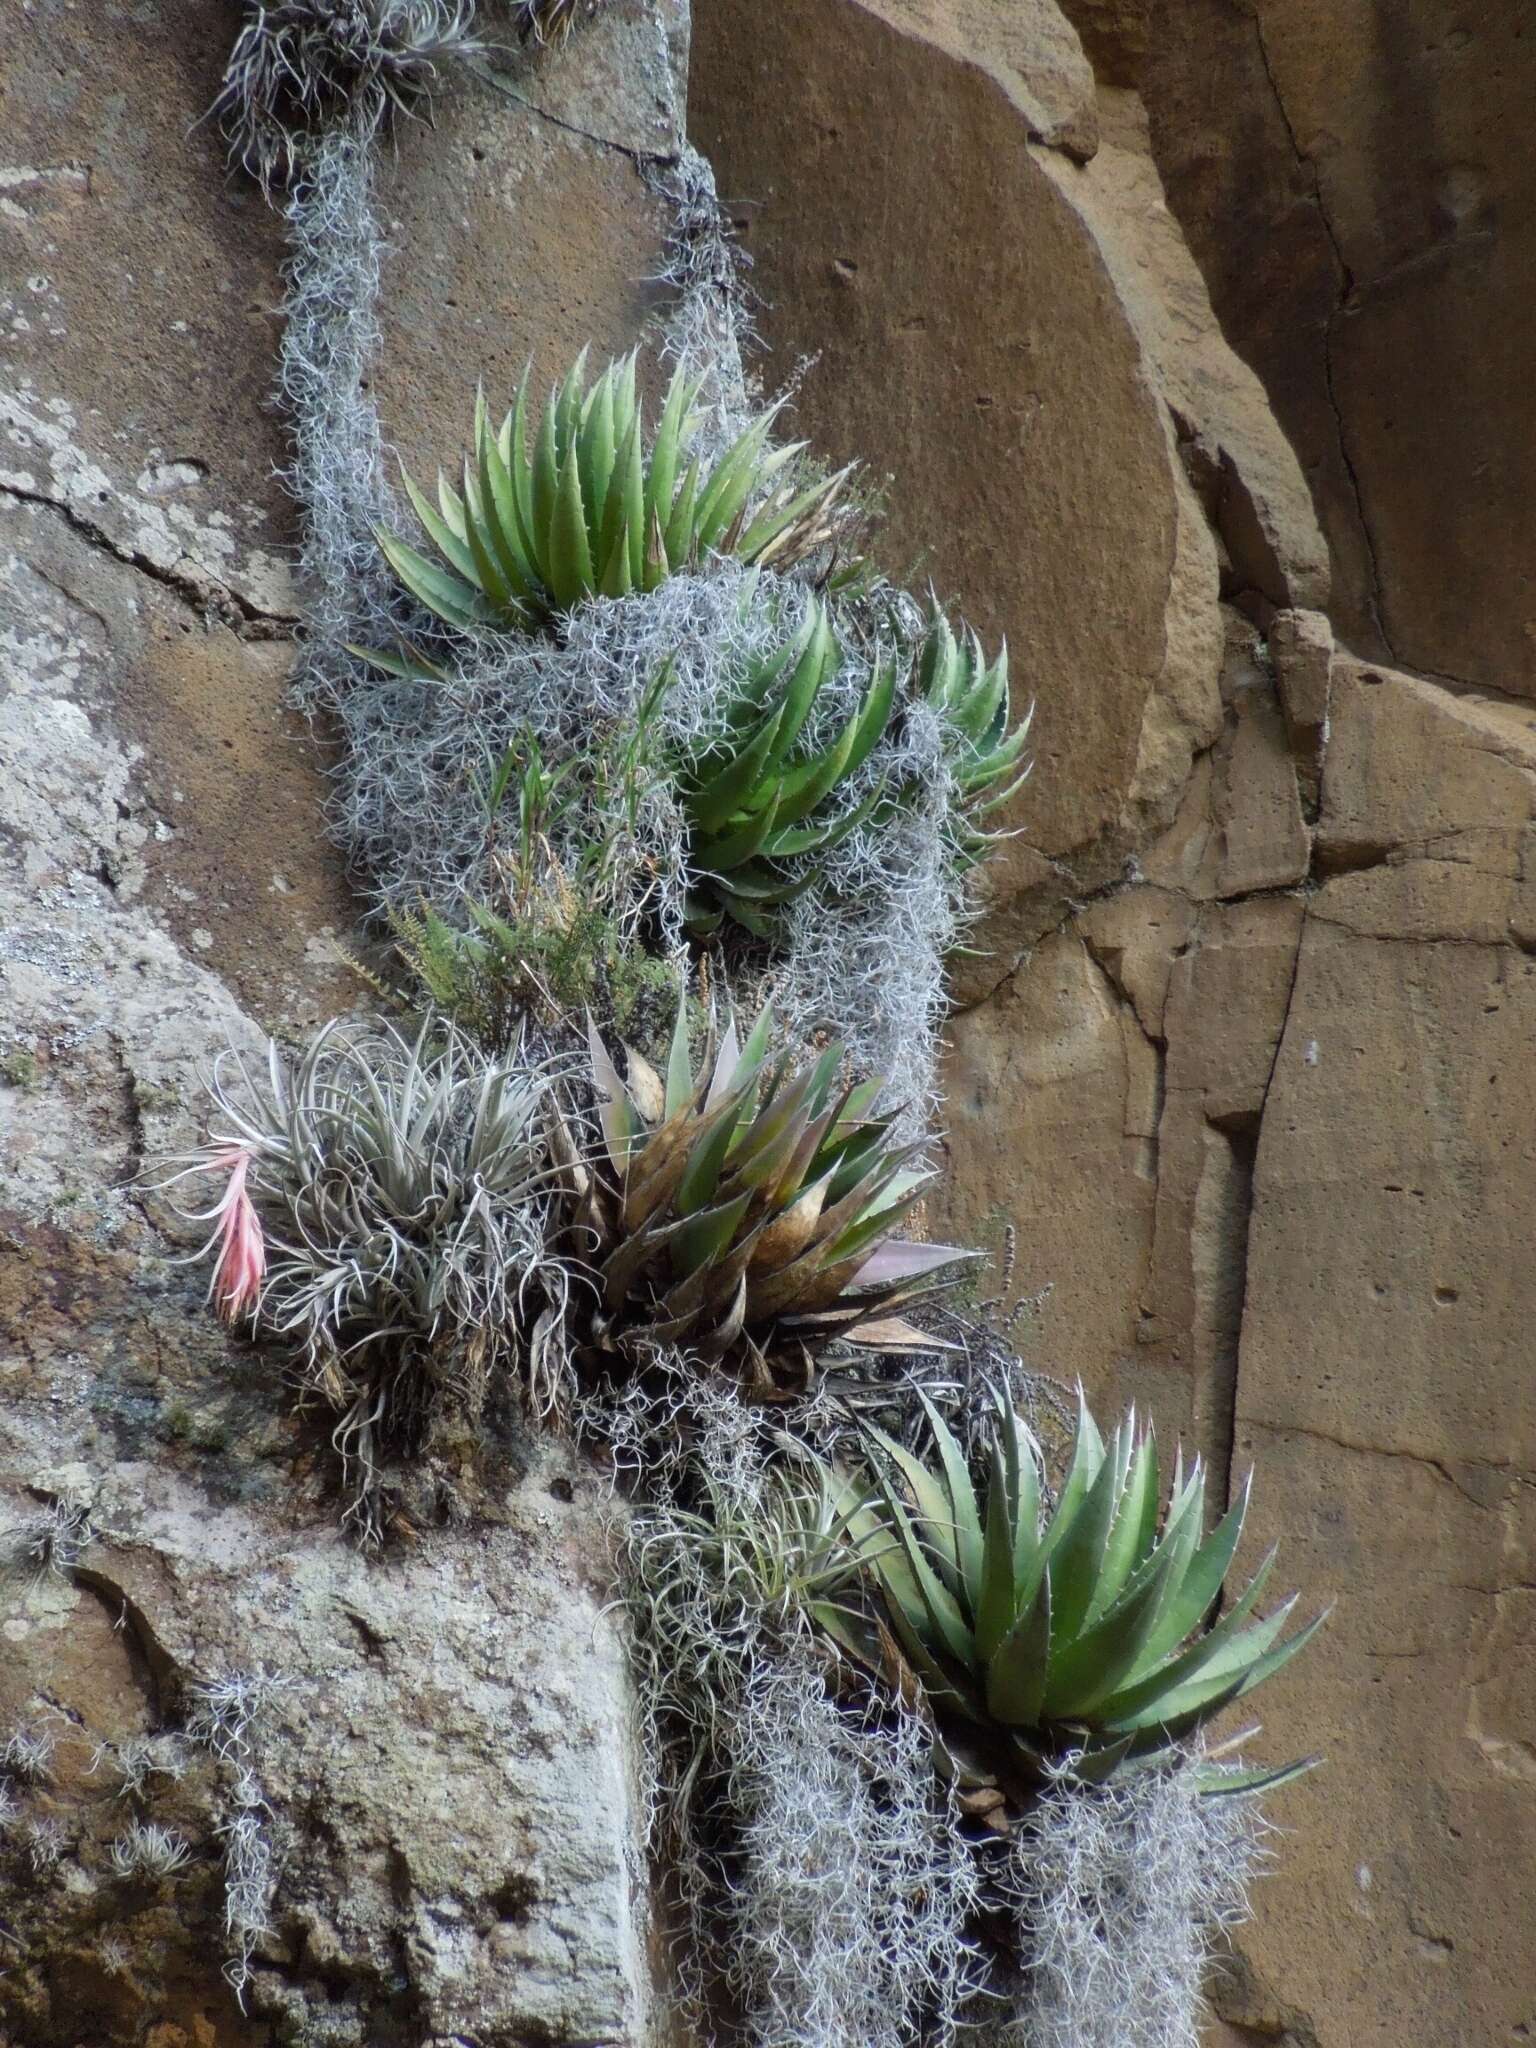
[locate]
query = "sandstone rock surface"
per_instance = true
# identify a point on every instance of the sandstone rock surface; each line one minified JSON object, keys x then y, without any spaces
{"x":1350,"y":182}
{"x":1243,"y":1071}
{"x":440,"y":1756}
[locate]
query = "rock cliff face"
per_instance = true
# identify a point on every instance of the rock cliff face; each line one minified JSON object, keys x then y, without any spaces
{"x":437,"y":1754}
{"x":1242,"y":1067}
{"x":1191,"y":338}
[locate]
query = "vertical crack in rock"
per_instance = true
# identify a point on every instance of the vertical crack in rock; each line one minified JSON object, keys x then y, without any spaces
{"x":1346,"y":290}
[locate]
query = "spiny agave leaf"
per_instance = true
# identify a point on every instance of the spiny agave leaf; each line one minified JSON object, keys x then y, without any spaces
{"x":904,"y":1259}
{"x":965,"y":1515}
{"x":1078,"y":1556}
{"x":1086,"y":1670}
{"x":712,"y":803}
{"x":569,"y":562}
{"x":1016,"y":1674}
{"x":449,"y":597}
{"x":997,"y":1602}
{"x":1215,"y":1783}
{"x":1153,"y":1673}
{"x":1205,"y":1571}
{"x":732,"y":849}
{"x":1224,"y":1675}
{"x":820,"y":839}
{"x":1134,"y":1531}
{"x":1087,"y":1458}
{"x":411,"y":666}
{"x":680,"y":1086}
{"x":447,"y":540}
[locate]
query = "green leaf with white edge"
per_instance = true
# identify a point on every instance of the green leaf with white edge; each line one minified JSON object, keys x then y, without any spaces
{"x":1204,"y":1576}
{"x":597,"y":447}
{"x":500,"y":499}
{"x":544,"y":490}
{"x":1225,"y":1675}
{"x":1150,"y":1676}
{"x":1078,"y":1555}
{"x":1087,"y":1458}
{"x":1087,"y":1669}
{"x":1214,"y":1783}
{"x":799,"y":841}
{"x":489,"y":573}
{"x":1135,"y":1526}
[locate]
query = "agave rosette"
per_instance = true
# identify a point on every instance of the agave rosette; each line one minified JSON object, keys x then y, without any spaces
{"x":542,"y":519}
{"x":759,"y":796}
{"x":970,"y":694}
{"x":1070,"y":1641}
{"x":746,"y":1213}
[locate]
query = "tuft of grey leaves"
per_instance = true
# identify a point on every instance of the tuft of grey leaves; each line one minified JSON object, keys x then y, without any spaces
{"x":300,"y":68}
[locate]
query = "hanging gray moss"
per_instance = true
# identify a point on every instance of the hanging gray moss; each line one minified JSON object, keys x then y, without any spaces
{"x":829,"y":1885}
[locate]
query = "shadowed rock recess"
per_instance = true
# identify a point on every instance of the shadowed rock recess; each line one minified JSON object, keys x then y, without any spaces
{"x":1245,"y":1065}
{"x":1117,"y":294}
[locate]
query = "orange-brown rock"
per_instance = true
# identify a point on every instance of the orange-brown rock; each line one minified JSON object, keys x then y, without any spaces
{"x":1244,"y":1070}
{"x":1349,"y":182}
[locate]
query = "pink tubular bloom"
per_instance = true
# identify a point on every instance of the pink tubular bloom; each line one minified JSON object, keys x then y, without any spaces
{"x":242,"y":1249}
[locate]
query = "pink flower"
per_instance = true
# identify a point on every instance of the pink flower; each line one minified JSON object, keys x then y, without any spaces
{"x":242,"y":1249}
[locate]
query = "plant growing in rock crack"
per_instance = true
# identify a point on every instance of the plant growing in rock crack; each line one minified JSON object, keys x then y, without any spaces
{"x":971,"y":697}
{"x":548,"y":941}
{"x":746,"y":1212}
{"x":299,"y":64}
{"x":1072,"y":1645}
{"x":757,"y":796}
{"x":405,"y":1201}
{"x":589,"y":512}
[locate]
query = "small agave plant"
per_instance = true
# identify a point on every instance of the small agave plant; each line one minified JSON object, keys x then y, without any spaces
{"x":746,"y":1213}
{"x":1067,"y":1643}
{"x":758,"y":797}
{"x":971,"y":697}
{"x":590,"y":512}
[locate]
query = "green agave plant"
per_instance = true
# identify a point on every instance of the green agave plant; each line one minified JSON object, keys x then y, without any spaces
{"x":746,"y":1212}
{"x":588,"y":511}
{"x":757,"y":797}
{"x":971,"y":696}
{"x":1071,"y":1640}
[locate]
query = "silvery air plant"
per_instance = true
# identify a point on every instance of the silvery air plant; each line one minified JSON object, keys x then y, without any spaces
{"x":386,"y":1210}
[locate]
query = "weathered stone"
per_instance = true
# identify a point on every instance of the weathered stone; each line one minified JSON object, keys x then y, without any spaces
{"x":1301,"y":649}
{"x":1263,"y":841}
{"x":1414,"y":772}
{"x":1338,"y":174}
{"x":1052,"y":1098}
{"x":442,"y":1755}
{"x":521,"y":229}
